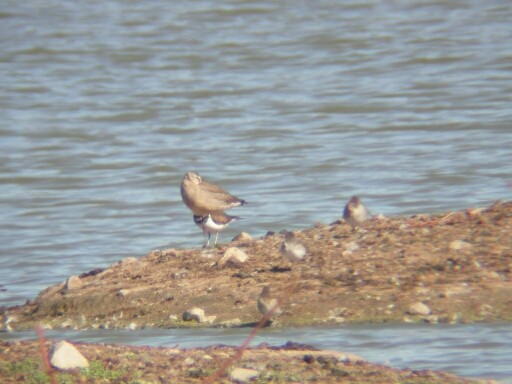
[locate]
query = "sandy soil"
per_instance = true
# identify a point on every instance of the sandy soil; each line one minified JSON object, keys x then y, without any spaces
{"x":21,"y":362}
{"x":458,"y":264}
{"x":450,"y":267}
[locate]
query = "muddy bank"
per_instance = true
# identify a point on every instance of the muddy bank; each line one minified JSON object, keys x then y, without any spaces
{"x":22,"y":362}
{"x":448,"y":267}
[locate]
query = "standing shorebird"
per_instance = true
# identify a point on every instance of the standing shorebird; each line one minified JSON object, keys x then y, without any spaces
{"x":355,"y":213}
{"x":207,"y":202}
{"x":266,"y":303}
{"x":292,"y":248}
{"x":204,"y":198}
{"x":213,"y":224}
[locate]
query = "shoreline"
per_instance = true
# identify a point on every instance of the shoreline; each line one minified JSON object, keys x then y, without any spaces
{"x":454,"y":267}
{"x":292,"y":362}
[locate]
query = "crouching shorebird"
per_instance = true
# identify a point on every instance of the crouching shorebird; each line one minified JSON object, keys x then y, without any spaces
{"x":266,"y":304}
{"x":215,"y":223}
{"x":208,"y":202}
{"x":292,"y":248}
{"x":355,"y":213}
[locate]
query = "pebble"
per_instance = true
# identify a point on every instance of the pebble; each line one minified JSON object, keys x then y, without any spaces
{"x":66,"y":356}
{"x":128,"y":260}
{"x":195,"y":313}
{"x":419,"y":309}
{"x":432,"y":319}
{"x":122,"y":293}
{"x":10,"y":319}
{"x":243,"y":375}
{"x":242,"y":236}
{"x":73,"y":282}
{"x":189,"y":361}
{"x":232,"y":322}
{"x":475,"y":212}
{"x":459,"y":245}
{"x":233,"y":256}
{"x":352,"y":246}
{"x":132,"y":326}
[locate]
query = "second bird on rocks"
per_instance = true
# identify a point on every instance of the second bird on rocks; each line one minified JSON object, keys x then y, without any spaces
{"x":355,"y":213}
{"x":215,"y":223}
{"x":267,"y":303}
{"x":292,"y":248}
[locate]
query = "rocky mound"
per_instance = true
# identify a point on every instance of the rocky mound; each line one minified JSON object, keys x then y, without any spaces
{"x":450,"y":267}
{"x":23,"y":362}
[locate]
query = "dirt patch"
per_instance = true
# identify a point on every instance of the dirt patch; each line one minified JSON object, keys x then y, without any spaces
{"x":22,"y":362}
{"x":457,"y":264}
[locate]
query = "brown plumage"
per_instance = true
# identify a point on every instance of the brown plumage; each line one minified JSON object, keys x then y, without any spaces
{"x":292,"y":248}
{"x":266,"y":303}
{"x":204,"y":198}
{"x":355,"y":213}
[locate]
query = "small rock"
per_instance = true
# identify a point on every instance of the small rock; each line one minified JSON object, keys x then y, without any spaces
{"x":10,"y":319}
{"x":189,"y":361}
{"x":460,"y":245}
{"x":196,"y":314}
{"x":419,"y":309}
{"x":486,"y":310}
{"x":243,"y":375}
{"x":232,"y":322}
{"x":128,"y":260}
{"x":74,"y":282}
{"x":426,"y":231}
{"x":132,"y":326}
{"x":352,"y":246}
{"x":233,"y":256}
{"x":243,"y":236}
{"x":308,"y":359}
{"x":66,"y":356}
{"x":122,"y":293}
{"x":421,"y":217}
{"x":180,"y":274}
{"x":475,"y":212}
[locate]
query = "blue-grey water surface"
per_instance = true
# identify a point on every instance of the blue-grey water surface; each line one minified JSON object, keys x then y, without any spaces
{"x":292,"y":105}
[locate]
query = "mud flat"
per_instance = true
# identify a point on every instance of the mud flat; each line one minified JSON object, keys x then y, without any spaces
{"x":21,"y":362}
{"x":450,"y":267}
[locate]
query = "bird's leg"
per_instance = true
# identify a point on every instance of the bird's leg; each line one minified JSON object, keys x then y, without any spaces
{"x":216,"y":238}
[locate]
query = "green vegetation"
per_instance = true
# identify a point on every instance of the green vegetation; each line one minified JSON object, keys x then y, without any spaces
{"x":31,"y":371}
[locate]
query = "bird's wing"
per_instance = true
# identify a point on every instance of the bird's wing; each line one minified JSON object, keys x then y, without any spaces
{"x":218,"y":196}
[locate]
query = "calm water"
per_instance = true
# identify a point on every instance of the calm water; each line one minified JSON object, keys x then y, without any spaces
{"x":292,"y":105}
{"x":476,"y":350}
